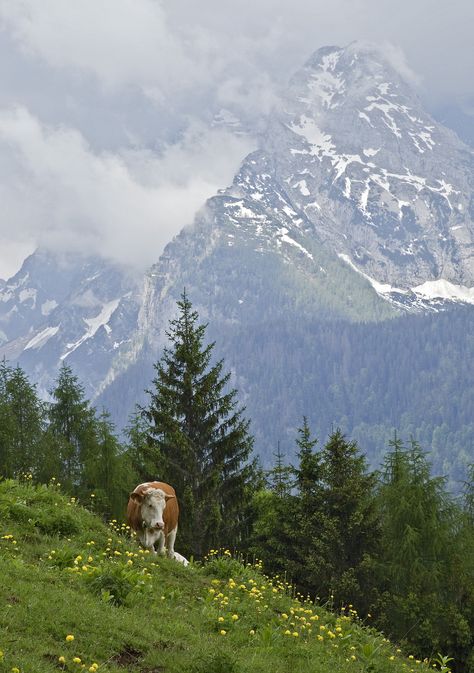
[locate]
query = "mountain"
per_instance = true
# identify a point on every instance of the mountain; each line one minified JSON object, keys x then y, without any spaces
{"x":384,"y":184}
{"x":336,"y":274}
{"x":66,"y":308}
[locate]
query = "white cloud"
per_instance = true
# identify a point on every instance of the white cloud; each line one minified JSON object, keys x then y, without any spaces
{"x":61,"y":194}
{"x":94,"y":93}
{"x":121,"y":42}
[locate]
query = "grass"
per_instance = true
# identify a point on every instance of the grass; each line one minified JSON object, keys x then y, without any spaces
{"x":78,"y":595}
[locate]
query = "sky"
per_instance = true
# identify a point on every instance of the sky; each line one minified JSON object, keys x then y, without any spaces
{"x":110,"y":133}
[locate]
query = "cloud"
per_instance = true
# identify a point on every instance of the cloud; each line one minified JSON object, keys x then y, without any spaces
{"x":61,"y":194}
{"x":121,"y":42}
{"x":182,"y":51}
{"x":108,"y":105}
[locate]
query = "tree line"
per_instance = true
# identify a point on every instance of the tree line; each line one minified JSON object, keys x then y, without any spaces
{"x":392,"y":544}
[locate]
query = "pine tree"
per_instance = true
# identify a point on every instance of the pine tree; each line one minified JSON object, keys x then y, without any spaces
{"x":105,"y":479}
{"x":28,"y":413}
{"x":201,"y":435}
{"x":426,"y":568}
{"x":273,"y":533}
{"x":312,"y":526}
{"x":280,"y":476}
{"x":72,"y":433}
{"x":308,"y":474}
{"x":413,"y":505}
{"x":353,"y":528}
{"x":7,"y":423}
{"x":22,"y":423}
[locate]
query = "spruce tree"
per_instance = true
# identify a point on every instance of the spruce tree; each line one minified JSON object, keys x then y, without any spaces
{"x":7,"y":423}
{"x":28,"y":414}
{"x":352,"y":536}
{"x":312,"y":526}
{"x":201,"y":435}
{"x":280,"y":476}
{"x":105,"y":478}
{"x":426,"y":567}
{"x":21,"y":424}
{"x":72,"y":433}
{"x":308,"y":474}
{"x":273,"y":534}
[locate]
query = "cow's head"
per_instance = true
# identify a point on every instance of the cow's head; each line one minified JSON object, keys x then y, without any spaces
{"x":152,"y":505}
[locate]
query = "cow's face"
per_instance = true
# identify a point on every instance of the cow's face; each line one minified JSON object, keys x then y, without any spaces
{"x":152,"y":505}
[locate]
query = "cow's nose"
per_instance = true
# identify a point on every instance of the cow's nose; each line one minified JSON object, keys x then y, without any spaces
{"x":160,"y":525}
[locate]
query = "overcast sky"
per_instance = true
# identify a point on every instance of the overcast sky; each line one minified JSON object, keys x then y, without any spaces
{"x":108,"y":140}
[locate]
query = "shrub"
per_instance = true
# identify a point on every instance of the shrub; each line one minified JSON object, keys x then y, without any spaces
{"x":115,"y":583}
{"x":57,"y":522}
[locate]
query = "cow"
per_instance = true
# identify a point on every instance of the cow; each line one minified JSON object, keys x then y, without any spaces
{"x":152,"y":512}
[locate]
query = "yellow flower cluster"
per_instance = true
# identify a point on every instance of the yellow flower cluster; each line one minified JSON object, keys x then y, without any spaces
{"x":9,"y":538}
{"x":92,"y":668}
{"x":120,"y":528}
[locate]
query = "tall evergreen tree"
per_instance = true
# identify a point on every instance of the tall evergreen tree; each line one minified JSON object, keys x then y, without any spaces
{"x":72,"y":432}
{"x":426,"y":567}
{"x":7,"y":423}
{"x":202,"y":437}
{"x":311,"y":523}
{"x":308,"y":474}
{"x":352,"y":534}
{"x":105,"y":478}
{"x":28,"y":414}
{"x":21,"y":423}
{"x":280,"y":476}
{"x":274,"y":534}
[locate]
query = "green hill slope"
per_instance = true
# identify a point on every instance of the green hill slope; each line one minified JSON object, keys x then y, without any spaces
{"x":77,"y":595}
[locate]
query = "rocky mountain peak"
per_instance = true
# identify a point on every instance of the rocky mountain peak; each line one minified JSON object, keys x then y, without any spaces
{"x":386,"y":185}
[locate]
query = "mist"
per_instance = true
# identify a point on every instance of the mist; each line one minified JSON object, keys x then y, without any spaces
{"x":110,"y":130}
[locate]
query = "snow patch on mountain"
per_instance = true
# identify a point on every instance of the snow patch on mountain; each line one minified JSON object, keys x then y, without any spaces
{"x":380,"y":288}
{"x":42,"y":337}
{"x":48,"y":306}
{"x":436,"y":289}
{"x":93,"y":324}
{"x":443,"y":289}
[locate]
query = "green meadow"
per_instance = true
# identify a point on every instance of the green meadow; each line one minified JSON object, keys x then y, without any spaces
{"x":77,"y":594}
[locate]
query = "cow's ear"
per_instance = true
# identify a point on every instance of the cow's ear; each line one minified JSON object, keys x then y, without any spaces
{"x":168,"y":496}
{"x":136,"y":497}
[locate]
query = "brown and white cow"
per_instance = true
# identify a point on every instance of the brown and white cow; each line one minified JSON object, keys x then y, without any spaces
{"x":153,"y":512}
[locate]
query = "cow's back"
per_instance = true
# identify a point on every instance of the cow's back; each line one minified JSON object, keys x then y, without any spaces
{"x":171,"y":511}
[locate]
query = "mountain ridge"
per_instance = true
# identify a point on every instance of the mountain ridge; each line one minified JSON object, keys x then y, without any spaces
{"x":357,"y":206}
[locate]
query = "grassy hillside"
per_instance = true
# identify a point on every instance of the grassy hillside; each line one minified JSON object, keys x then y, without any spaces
{"x":76,"y":594}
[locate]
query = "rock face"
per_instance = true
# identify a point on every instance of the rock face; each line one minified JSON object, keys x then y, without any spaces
{"x":66,"y":308}
{"x":357,"y":206}
{"x":379,"y":179}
